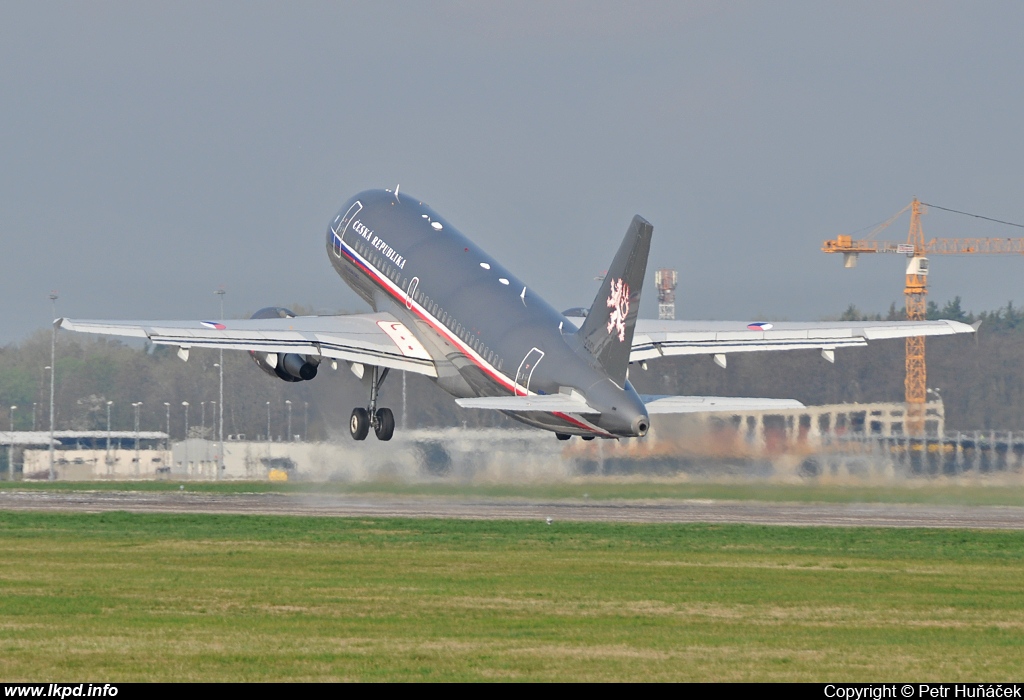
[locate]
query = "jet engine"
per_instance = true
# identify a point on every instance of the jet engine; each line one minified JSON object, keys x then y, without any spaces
{"x":287,"y":366}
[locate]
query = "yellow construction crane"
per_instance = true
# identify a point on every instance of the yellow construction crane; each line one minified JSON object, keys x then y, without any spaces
{"x":916,"y":249}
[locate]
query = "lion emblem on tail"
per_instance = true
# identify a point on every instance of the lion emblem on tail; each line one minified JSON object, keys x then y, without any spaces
{"x":618,"y":302}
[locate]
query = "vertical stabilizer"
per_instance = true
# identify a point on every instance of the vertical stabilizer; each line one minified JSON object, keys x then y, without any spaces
{"x":607,"y":332}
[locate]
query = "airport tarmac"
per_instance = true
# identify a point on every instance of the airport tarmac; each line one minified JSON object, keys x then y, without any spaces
{"x":396,"y":506}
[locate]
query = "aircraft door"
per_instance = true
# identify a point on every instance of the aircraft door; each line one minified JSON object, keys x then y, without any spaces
{"x":413,"y":283}
{"x":526,"y":367}
{"x":342,"y":227}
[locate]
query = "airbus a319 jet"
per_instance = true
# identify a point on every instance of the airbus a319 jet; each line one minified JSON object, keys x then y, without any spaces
{"x":444,"y":308}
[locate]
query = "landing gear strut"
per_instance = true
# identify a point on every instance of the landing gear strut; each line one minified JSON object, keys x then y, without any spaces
{"x":382,"y":420}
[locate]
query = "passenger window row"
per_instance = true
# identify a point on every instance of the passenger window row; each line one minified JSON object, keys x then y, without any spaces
{"x":447,"y":320}
{"x":431,"y":306}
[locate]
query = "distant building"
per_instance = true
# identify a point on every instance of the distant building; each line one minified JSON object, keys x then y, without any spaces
{"x":665,"y":281}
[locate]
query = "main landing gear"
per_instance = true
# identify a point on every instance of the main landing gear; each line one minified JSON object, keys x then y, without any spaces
{"x":564,"y":436}
{"x":382,"y":420}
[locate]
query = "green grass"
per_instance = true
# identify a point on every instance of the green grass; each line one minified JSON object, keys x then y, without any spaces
{"x":597,"y":488}
{"x":187,"y":597}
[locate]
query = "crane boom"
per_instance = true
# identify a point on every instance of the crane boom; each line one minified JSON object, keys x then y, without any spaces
{"x":936,"y":246}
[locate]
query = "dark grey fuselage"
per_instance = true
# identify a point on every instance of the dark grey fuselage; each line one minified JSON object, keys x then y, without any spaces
{"x":488,"y":333}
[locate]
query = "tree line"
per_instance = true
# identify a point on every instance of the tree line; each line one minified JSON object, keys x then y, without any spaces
{"x":1005,"y":318}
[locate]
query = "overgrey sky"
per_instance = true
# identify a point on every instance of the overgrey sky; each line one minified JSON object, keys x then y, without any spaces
{"x":153,"y":151}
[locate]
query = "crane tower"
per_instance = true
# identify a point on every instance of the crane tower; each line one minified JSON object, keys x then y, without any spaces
{"x":665,"y":281}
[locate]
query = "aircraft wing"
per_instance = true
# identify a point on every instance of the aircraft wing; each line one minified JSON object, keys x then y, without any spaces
{"x":374,"y":339}
{"x":563,"y":403}
{"x":654,"y":338}
{"x":713,"y":404}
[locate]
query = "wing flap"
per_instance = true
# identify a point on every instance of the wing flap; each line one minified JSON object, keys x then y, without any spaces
{"x":102,"y":328}
{"x":909,"y":329}
{"x":667,"y":338}
{"x":715,"y":404}
{"x":545,"y":403}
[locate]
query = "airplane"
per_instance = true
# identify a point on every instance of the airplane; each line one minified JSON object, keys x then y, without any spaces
{"x":444,"y":308}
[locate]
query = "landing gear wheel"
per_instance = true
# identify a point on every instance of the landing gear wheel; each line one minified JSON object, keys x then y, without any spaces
{"x":384,"y":426}
{"x":359,"y":424}
{"x":562,"y":436}
{"x":588,"y":437}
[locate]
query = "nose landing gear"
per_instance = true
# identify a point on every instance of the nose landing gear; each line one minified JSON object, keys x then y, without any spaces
{"x":382,"y":420}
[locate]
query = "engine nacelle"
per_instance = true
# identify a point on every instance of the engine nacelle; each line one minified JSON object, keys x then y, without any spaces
{"x":287,"y":366}
{"x":295,"y":368}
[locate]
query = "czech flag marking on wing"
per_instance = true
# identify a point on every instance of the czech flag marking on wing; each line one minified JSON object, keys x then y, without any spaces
{"x":759,"y":326}
{"x":214,"y":325}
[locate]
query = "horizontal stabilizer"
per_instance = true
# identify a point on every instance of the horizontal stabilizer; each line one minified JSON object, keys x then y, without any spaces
{"x":714,"y":404}
{"x":547,"y":403}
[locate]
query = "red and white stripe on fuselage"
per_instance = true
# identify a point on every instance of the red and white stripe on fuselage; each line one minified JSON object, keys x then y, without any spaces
{"x":488,"y":369}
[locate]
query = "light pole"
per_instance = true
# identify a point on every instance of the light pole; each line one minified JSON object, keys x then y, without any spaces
{"x":305,"y":420}
{"x":185,"y":404}
{"x":49,"y":369}
{"x":53,"y":372}
{"x":218,"y":418}
{"x":220,"y":399}
{"x":288,"y":403}
{"x":202,"y":420}
{"x":109,"y":460}
{"x":10,"y":448}
{"x":213,"y":428}
{"x":167,"y":441}
{"x":34,"y":404}
{"x":268,"y":421}
{"x":137,"y":405}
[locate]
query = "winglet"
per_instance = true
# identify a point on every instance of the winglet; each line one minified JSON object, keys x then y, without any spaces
{"x":976,"y":325}
{"x":607,"y":332}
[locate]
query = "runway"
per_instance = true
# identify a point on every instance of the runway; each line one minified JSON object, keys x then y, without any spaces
{"x":653,"y":511}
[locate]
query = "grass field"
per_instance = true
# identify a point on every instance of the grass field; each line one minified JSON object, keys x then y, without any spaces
{"x":944,"y":491}
{"x":185,"y":597}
